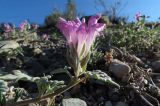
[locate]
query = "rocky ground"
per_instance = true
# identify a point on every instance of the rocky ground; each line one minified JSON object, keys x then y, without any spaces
{"x":138,"y":76}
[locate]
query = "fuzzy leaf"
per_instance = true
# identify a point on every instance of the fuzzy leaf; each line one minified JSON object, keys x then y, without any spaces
{"x":3,"y":86}
{"x":2,"y":99}
{"x":84,"y":61}
{"x":101,"y":77}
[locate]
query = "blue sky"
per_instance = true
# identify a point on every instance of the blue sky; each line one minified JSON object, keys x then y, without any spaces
{"x":16,"y":11}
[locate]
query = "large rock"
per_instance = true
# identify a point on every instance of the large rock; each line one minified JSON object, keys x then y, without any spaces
{"x":8,"y":45}
{"x":73,"y":102}
{"x":119,"y":69}
{"x":121,"y":104}
{"x":108,"y":103}
{"x":156,"y":66}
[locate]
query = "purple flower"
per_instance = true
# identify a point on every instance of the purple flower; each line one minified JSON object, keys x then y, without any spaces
{"x":45,"y":37}
{"x":35,"y":26}
{"x":138,"y":16}
{"x":80,"y":37}
{"x":7,"y":28}
{"x":78,"y":33}
{"x":23,"y":25}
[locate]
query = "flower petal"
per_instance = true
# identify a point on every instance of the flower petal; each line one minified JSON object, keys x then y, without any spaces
{"x":90,"y":38}
{"x":99,"y":27}
{"x":93,"y":20}
{"x":64,"y":27}
{"x":81,"y":35}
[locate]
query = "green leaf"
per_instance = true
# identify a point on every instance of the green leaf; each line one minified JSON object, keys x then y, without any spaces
{"x":8,"y":77}
{"x":2,"y":99}
{"x":21,"y":76}
{"x":17,"y":75}
{"x":46,"y":86}
{"x":18,"y":93}
{"x":84,"y":61}
{"x":3,"y":86}
{"x":83,"y":50}
{"x":101,"y":77}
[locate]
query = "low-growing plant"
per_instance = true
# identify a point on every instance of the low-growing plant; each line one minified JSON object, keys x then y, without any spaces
{"x":80,"y":39}
{"x":135,"y":37}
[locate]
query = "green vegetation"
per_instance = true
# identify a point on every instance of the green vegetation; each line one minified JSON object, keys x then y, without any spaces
{"x":39,"y":50}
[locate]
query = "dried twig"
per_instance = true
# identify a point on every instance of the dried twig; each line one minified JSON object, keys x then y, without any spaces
{"x":151,"y":98}
{"x":145,"y":100}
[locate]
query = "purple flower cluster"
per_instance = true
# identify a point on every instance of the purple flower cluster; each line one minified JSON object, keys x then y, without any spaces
{"x":138,"y":16}
{"x":7,"y":28}
{"x":78,"y":33}
{"x":23,"y":25}
{"x":80,"y":37}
